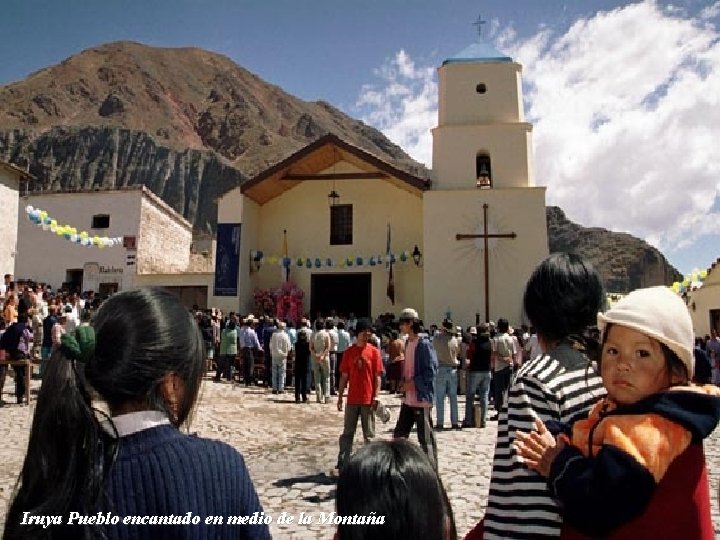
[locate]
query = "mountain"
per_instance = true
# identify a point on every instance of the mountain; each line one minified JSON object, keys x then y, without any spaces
{"x":191,"y":125}
{"x":624,"y":261}
{"x":187,"y":123}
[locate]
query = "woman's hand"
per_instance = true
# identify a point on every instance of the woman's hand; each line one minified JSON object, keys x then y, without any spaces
{"x":538,"y":448}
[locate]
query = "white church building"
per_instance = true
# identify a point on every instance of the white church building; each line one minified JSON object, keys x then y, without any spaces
{"x":326,"y":214}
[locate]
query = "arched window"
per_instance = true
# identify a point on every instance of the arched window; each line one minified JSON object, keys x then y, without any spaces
{"x":483,"y":171}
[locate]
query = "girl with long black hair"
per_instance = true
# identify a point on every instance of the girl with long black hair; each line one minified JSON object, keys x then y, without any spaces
{"x":145,"y":358}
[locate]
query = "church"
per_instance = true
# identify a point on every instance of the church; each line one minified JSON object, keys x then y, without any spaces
{"x":355,"y":234}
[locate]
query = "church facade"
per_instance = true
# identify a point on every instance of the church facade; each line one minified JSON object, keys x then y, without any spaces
{"x":334,"y":219}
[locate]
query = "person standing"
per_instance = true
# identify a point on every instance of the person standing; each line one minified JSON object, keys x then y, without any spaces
{"x":228,"y":350}
{"x":446,"y":347}
{"x":279,"y":350}
{"x":361,"y":368}
{"x":302,"y":361}
{"x":713,"y":350}
{"x":419,"y":371}
{"x":503,"y":359}
{"x":4,"y":287}
{"x":47,"y":338}
{"x":343,"y":343}
{"x":16,"y":341}
{"x":10,"y":312}
{"x":321,"y":362}
{"x":396,"y":356}
{"x":143,"y":358}
{"x":562,"y":299}
{"x":479,"y":377}
{"x":334,"y":355}
{"x":250,"y":345}
{"x":266,"y":332}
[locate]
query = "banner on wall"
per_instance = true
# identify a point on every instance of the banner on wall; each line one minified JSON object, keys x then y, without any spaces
{"x":227,"y":259}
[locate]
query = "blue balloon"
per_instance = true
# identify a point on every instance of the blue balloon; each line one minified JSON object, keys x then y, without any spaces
{"x":359,"y":261}
{"x":318,"y":263}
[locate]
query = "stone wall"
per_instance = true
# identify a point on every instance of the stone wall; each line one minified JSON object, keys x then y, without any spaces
{"x":164,"y":238}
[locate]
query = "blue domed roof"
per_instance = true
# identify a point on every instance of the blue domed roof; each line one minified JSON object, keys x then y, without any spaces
{"x":479,"y":52}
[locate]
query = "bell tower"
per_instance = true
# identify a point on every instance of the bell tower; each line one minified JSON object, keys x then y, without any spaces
{"x":484,"y":224}
{"x":482,"y":138}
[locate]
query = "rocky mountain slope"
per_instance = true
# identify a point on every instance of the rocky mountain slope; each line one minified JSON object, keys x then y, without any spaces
{"x":624,"y":261}
{"x":191,"y":125}
{"x":188,"y":123}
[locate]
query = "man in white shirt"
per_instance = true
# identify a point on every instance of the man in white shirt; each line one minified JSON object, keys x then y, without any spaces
{"x":279,"y":349}
{"x":4,"y":287}
{"x":71,"y":320}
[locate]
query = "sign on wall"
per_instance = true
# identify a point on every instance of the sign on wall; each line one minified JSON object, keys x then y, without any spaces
{"x":227,"y":259}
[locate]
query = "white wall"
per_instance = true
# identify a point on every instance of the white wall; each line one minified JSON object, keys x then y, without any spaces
{"x":163,"y":239}
{"x":44,"y":256}
{"x":9,"y":202}
{"x":303,"y":211}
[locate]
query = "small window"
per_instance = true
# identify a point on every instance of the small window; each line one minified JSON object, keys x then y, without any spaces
{"x":483,"y":171}
{"x":481,"y":88}
{"x":101,"y":221}
{"x":341,"y":225}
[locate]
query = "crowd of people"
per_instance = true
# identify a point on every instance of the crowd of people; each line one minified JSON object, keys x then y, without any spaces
{"x":601,"y":415}
{"x":34,"y":318}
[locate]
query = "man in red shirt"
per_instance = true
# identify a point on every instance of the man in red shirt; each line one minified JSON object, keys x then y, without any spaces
{"x":362,"y":367}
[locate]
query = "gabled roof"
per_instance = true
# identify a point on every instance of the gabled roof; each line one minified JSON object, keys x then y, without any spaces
{"x":20,"y":174}
{"x":307,"y":163}
{"x":479,"y":52}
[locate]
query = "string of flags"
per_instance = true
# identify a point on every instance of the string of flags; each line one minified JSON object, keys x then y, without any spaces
{"x":693,"y":280}
{"x":259,"y":258}
{"x":83,"y":238}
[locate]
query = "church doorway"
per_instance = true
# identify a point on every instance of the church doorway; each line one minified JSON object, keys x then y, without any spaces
{"x":344,"y":293}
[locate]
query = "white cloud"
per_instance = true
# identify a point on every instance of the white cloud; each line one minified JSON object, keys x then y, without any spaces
{"x":626,"y":112}
{"x":403,"y":106}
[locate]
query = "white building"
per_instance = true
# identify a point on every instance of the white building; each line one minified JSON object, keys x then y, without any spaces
{"x":10,"y":179}
{"x":704,"y":303}
{"x":156,"y":248}
{"x":476,"y":231}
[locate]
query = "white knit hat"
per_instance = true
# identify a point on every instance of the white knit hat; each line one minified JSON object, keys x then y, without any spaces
{"x":659,"y":313}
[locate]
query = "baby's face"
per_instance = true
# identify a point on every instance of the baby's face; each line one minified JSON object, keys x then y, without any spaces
{"x":633,"y":366}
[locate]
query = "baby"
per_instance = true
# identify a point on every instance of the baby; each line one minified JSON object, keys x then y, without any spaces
{"x":635,"y":467}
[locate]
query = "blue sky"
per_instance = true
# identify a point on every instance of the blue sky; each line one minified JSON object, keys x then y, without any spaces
{"x":624,"y":96}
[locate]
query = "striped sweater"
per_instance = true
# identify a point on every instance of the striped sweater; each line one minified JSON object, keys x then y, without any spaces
{"x":561,"y":386}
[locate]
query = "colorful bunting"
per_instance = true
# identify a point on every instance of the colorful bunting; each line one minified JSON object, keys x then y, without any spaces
{"x":47,"y":223}
{"x":286,"y":262}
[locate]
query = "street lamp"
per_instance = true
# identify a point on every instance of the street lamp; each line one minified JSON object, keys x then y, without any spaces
{"x":417,"y":256}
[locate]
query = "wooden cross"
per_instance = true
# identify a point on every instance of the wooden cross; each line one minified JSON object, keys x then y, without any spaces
{"x":485,"y":236}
